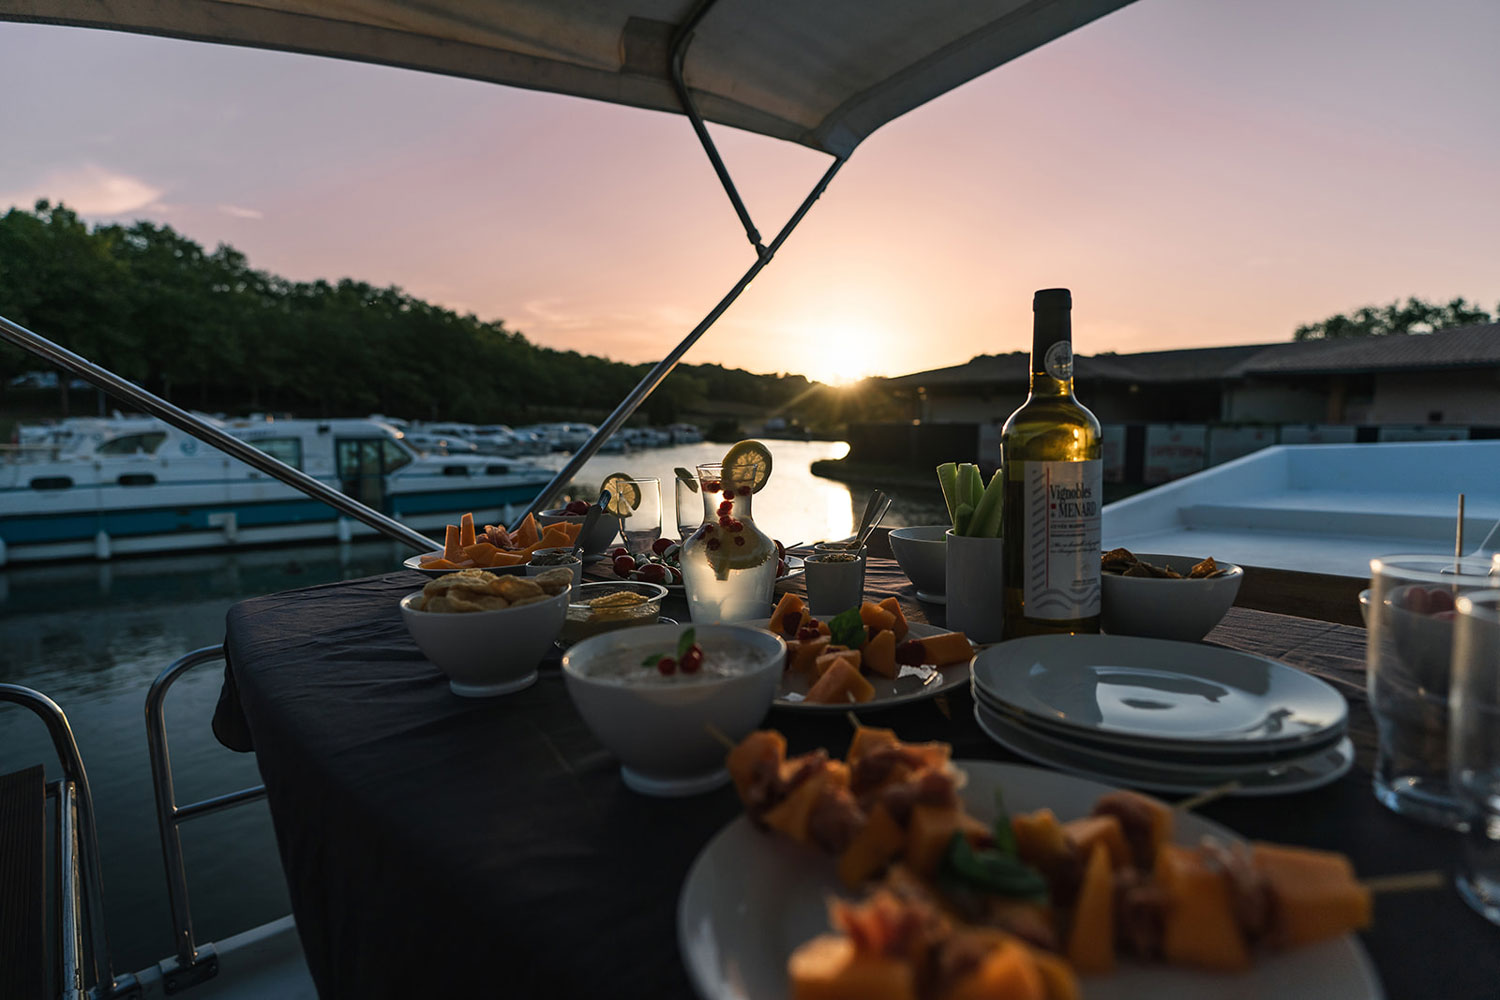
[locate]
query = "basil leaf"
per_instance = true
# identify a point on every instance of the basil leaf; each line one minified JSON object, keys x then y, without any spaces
{"x":991,"y":871}
{"x":685,"y":642}
{"x":651,"y":660}
{"x":1005,"y":835}
{"x":847,"y":629}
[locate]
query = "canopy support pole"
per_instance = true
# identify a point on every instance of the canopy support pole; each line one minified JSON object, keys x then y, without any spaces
{"x":153,"y":404}
{"x":763,"y":255}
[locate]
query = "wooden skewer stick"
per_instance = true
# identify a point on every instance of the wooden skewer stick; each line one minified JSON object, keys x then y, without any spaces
{"x":718,"y":734}
{"x":1458,"y":540}
{"x":1407,"y":882}
{"x":853,"y":719}
{"x":1206,"y":796}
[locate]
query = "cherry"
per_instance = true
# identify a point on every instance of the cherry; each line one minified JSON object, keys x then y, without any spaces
{"x":662,"y":544}
{"x":578,"y":507}
{"x":713,"y":544}
{"x":667,"y":666}
{"x":744,"y":491}
{"x":711,"y":486}
{"x":653,"y":573}
{"x":623,"y":565}
{"x":739,"y":539}
{"x":725,"y":521}
{"x":619,"y":550}
{"x":692,"y":659}
{"x":808,"y":632}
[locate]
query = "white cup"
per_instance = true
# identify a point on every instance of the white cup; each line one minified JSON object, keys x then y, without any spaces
{"x":976,"y":587}
{"x":575,"y":564}
{"x":835,"y":583}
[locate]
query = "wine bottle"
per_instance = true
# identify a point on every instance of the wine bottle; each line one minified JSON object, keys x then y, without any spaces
{"x":1050,"y":452}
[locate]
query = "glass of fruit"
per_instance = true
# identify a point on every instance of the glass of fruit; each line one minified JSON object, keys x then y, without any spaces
{"x":728,"y":564}
{"x":636,"y":501}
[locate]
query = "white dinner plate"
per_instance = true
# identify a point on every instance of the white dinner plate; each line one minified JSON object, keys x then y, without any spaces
{"x":1281,"y":777}
{"x":751,"y":898}
{"x":1133,"y":689}
{"x":911,"y":684}
{"x":415,"y":563}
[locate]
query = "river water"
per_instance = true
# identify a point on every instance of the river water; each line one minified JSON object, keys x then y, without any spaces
{"x":93,"y":636}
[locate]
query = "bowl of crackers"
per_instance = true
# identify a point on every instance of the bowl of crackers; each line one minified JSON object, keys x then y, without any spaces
{"x":487,"y":632}
{"x":1164,"y":596}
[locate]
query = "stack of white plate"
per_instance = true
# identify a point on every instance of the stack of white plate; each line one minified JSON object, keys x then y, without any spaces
{"x":1159,"y":715}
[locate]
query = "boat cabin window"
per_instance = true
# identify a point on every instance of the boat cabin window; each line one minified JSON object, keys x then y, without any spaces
{"x":395,"y":456}
{"x":288,"y":450}
{"x":133,"y":444}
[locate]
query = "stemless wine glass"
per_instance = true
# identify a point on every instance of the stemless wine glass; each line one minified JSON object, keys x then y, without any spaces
{"x":689,"y":506}
{"x":1474,"y":745}
{"x":642,"y":526}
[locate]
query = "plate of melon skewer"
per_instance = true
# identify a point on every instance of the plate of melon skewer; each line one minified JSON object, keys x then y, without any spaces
{"x":467,"y":547}
{"x":898,"y":874}
{"x":867,"y":657}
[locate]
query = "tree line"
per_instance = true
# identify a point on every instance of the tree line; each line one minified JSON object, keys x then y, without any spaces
{"x":1412,"y":316}
{"x":205,"y":329}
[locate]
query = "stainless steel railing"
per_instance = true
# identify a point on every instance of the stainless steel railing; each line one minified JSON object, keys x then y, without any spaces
{"x":193,"y":962}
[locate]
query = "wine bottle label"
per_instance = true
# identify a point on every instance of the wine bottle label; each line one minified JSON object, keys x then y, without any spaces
{"x":1061,"y":565}
{"x":1058,"y":361}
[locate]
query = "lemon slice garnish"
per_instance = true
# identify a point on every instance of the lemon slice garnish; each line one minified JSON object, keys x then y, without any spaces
{"x":624,"y":495}
{"x":687,"y":477}
{"x":747,"y":464}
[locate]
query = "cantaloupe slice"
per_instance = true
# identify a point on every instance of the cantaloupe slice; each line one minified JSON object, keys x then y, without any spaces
{"x":453,"y":549}
{"x":875,"y":617}
{"x":872,"y":849}
{"x":1008,"y":972}
{"x":894,"y":607}
{"x":833,"y":655}
{"x":1162,"y":819}
{"x":829,"y":968}
{"x":466,"y":530}
{"x":928,"y":833}
{"x":790,"y":815}
{"x":938,"y":650}
{"x":1315,"y":894}
{"x":1040,"y":840}
{"x":526,"y":534}
{"x":789,"y":605}
{"x":482,"y":553}
{"x":1057,"y":976}
{"x":804,"y":656}
{"x":1084,"y":833}
{"x":841,"y":683}
{"x":1199,"y":927}
{"x":439,"y":563}
{"x":867,"y":738}
{"x":1091,"y":937}
{"x":879,"y":654}
{"x":764,"y":749}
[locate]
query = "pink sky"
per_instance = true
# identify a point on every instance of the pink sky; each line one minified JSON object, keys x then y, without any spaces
{"x":1198,"y":174}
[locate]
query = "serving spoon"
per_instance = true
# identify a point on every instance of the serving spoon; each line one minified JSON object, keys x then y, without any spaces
{"x":589,"y":520}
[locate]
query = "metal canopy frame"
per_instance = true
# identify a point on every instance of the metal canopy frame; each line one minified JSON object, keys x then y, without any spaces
{"x":127,"y":391}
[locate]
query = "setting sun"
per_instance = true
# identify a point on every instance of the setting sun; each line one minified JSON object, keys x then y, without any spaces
{"x":840,"y":353}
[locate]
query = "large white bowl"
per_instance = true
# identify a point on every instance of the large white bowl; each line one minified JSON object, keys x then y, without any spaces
{"x":599,"y":537}
{"x":923,"y":555}
{"x":668,"y":731}
{"x":1185,"y":610}
{"x":487,"y":653}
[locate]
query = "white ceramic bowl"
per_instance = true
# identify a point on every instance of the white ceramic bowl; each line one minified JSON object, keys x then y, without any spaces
{"x":662,"y":728}
{"x":575,"y":564}
{"x":487,"y":653}
{"x":1184,"y":610}
{"x":598,"y":540}
{"x":923,"y":555}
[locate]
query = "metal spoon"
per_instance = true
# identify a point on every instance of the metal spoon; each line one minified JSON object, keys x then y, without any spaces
{"x":864,"y":522}
{"x":591,"y":519}
{"x":864,"y":534}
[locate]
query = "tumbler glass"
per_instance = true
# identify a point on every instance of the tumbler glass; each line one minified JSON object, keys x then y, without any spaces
{"x":835,"y":582}
{"x":1474,"y":741}
{"x":689,"y":507}
{"x":642,"y":526}
{"x":1408,"y":653}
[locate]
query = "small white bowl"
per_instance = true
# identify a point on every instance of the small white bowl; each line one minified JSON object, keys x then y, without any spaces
{"x":663,"y":729}
{"x":923,"y":555}
{"x":598,"y":540}
{"x":487,"y":653}
{"x":1185,"y":610}
{"x":575,"y":564}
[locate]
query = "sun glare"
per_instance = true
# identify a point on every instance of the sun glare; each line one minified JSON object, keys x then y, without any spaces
{"x":837,"y":354}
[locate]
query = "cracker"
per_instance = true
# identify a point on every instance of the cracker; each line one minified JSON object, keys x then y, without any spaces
{"x":513,"y":588}
{"x":555,"y":581}
{"x":437,"y":604}
{"x":533,"y":599}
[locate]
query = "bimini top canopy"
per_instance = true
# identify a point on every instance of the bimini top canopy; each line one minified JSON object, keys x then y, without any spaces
{"x":822,"y":73}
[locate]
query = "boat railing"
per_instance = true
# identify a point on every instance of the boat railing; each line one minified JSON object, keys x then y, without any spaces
{"x":193,"y":962}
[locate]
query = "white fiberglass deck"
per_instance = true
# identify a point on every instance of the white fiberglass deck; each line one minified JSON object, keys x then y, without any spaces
{"x":259,"y":964}
{"x":1320,"y":508}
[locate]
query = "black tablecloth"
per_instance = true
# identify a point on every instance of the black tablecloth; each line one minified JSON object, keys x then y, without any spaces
{"x":437,"y":845}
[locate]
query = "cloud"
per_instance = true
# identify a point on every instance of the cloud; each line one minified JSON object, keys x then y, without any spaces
{"x":88,"y":190}
{"x":241,"y":213}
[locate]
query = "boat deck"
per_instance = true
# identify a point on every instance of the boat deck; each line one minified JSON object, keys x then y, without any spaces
{"x":260,"y":963}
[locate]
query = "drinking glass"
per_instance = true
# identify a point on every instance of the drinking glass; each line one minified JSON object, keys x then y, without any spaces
{"x":1474,"y":743}
{"x":642,"y":526}
{"x":689,"y":507}
{"x":1408,"y":654}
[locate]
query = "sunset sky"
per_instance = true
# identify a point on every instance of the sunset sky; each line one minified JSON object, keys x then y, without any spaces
{"x":1198,"y":173}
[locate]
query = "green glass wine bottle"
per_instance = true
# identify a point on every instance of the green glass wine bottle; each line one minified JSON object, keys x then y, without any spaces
{"x":1051,"y":451}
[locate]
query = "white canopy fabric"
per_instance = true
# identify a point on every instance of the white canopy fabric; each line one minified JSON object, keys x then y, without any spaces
{"x":822,"y":73}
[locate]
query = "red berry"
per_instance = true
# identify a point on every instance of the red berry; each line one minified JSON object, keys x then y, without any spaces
{"x":711,"y":485}
{"x":692,"y":659}
{"x":808,"y":632}
{"x":736,"y":525}
{"x":739,"y":539}
{"x":623,"y":565}
{"x":662,"y":544}
{"x":667,"y":666}
{"x":676,"y":574}
{"x":713,"y":543}
{"x":578,"y":507}
{"x":725,"y":521}
{"x":653,"y":573}
{"x":728,"y":495}
{"x":744,"y":491}
{"x":620,"y":550}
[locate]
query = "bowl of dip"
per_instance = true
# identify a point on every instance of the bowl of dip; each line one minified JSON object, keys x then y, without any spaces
{"x":668,"y":729}
{"x":544,"y":559}
{"x":606,"y":605}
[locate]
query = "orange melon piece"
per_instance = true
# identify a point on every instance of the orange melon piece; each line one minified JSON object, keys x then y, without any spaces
{"x":875,"y":617}
{"x":1091,"y":938}
{"x":482,"y":553}
{"x":789,"y":816}
{"x":894,"y":607}
{"x":879,"y":654}
{"x":764,"y":746}
{"x":526,"y":534}
{"x":841,"y":683}
{"x":941,"y":650}
{"x":1162,"y":819}
{"x":1008,"y":972}
{"x":791,"y":606}
{"x":1084,"y":833}
{"x":439,"y":562}
{"x":503,"y":558}
{"x":804,"y":657}
{"x":1199,"y":928}
{"x":829,"y":968}
{"x":555,"y":536}
{"x":867,"y":738}
{"x":453,"y":550}
{"x":832,"y":655}
{"x":928,"y":833}
{"x":1315,"y":894}
{"x":1057,"y":976}
{"x":1040,"y":840}
{"x":466,"y":531}
{"x":872,"y":849}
